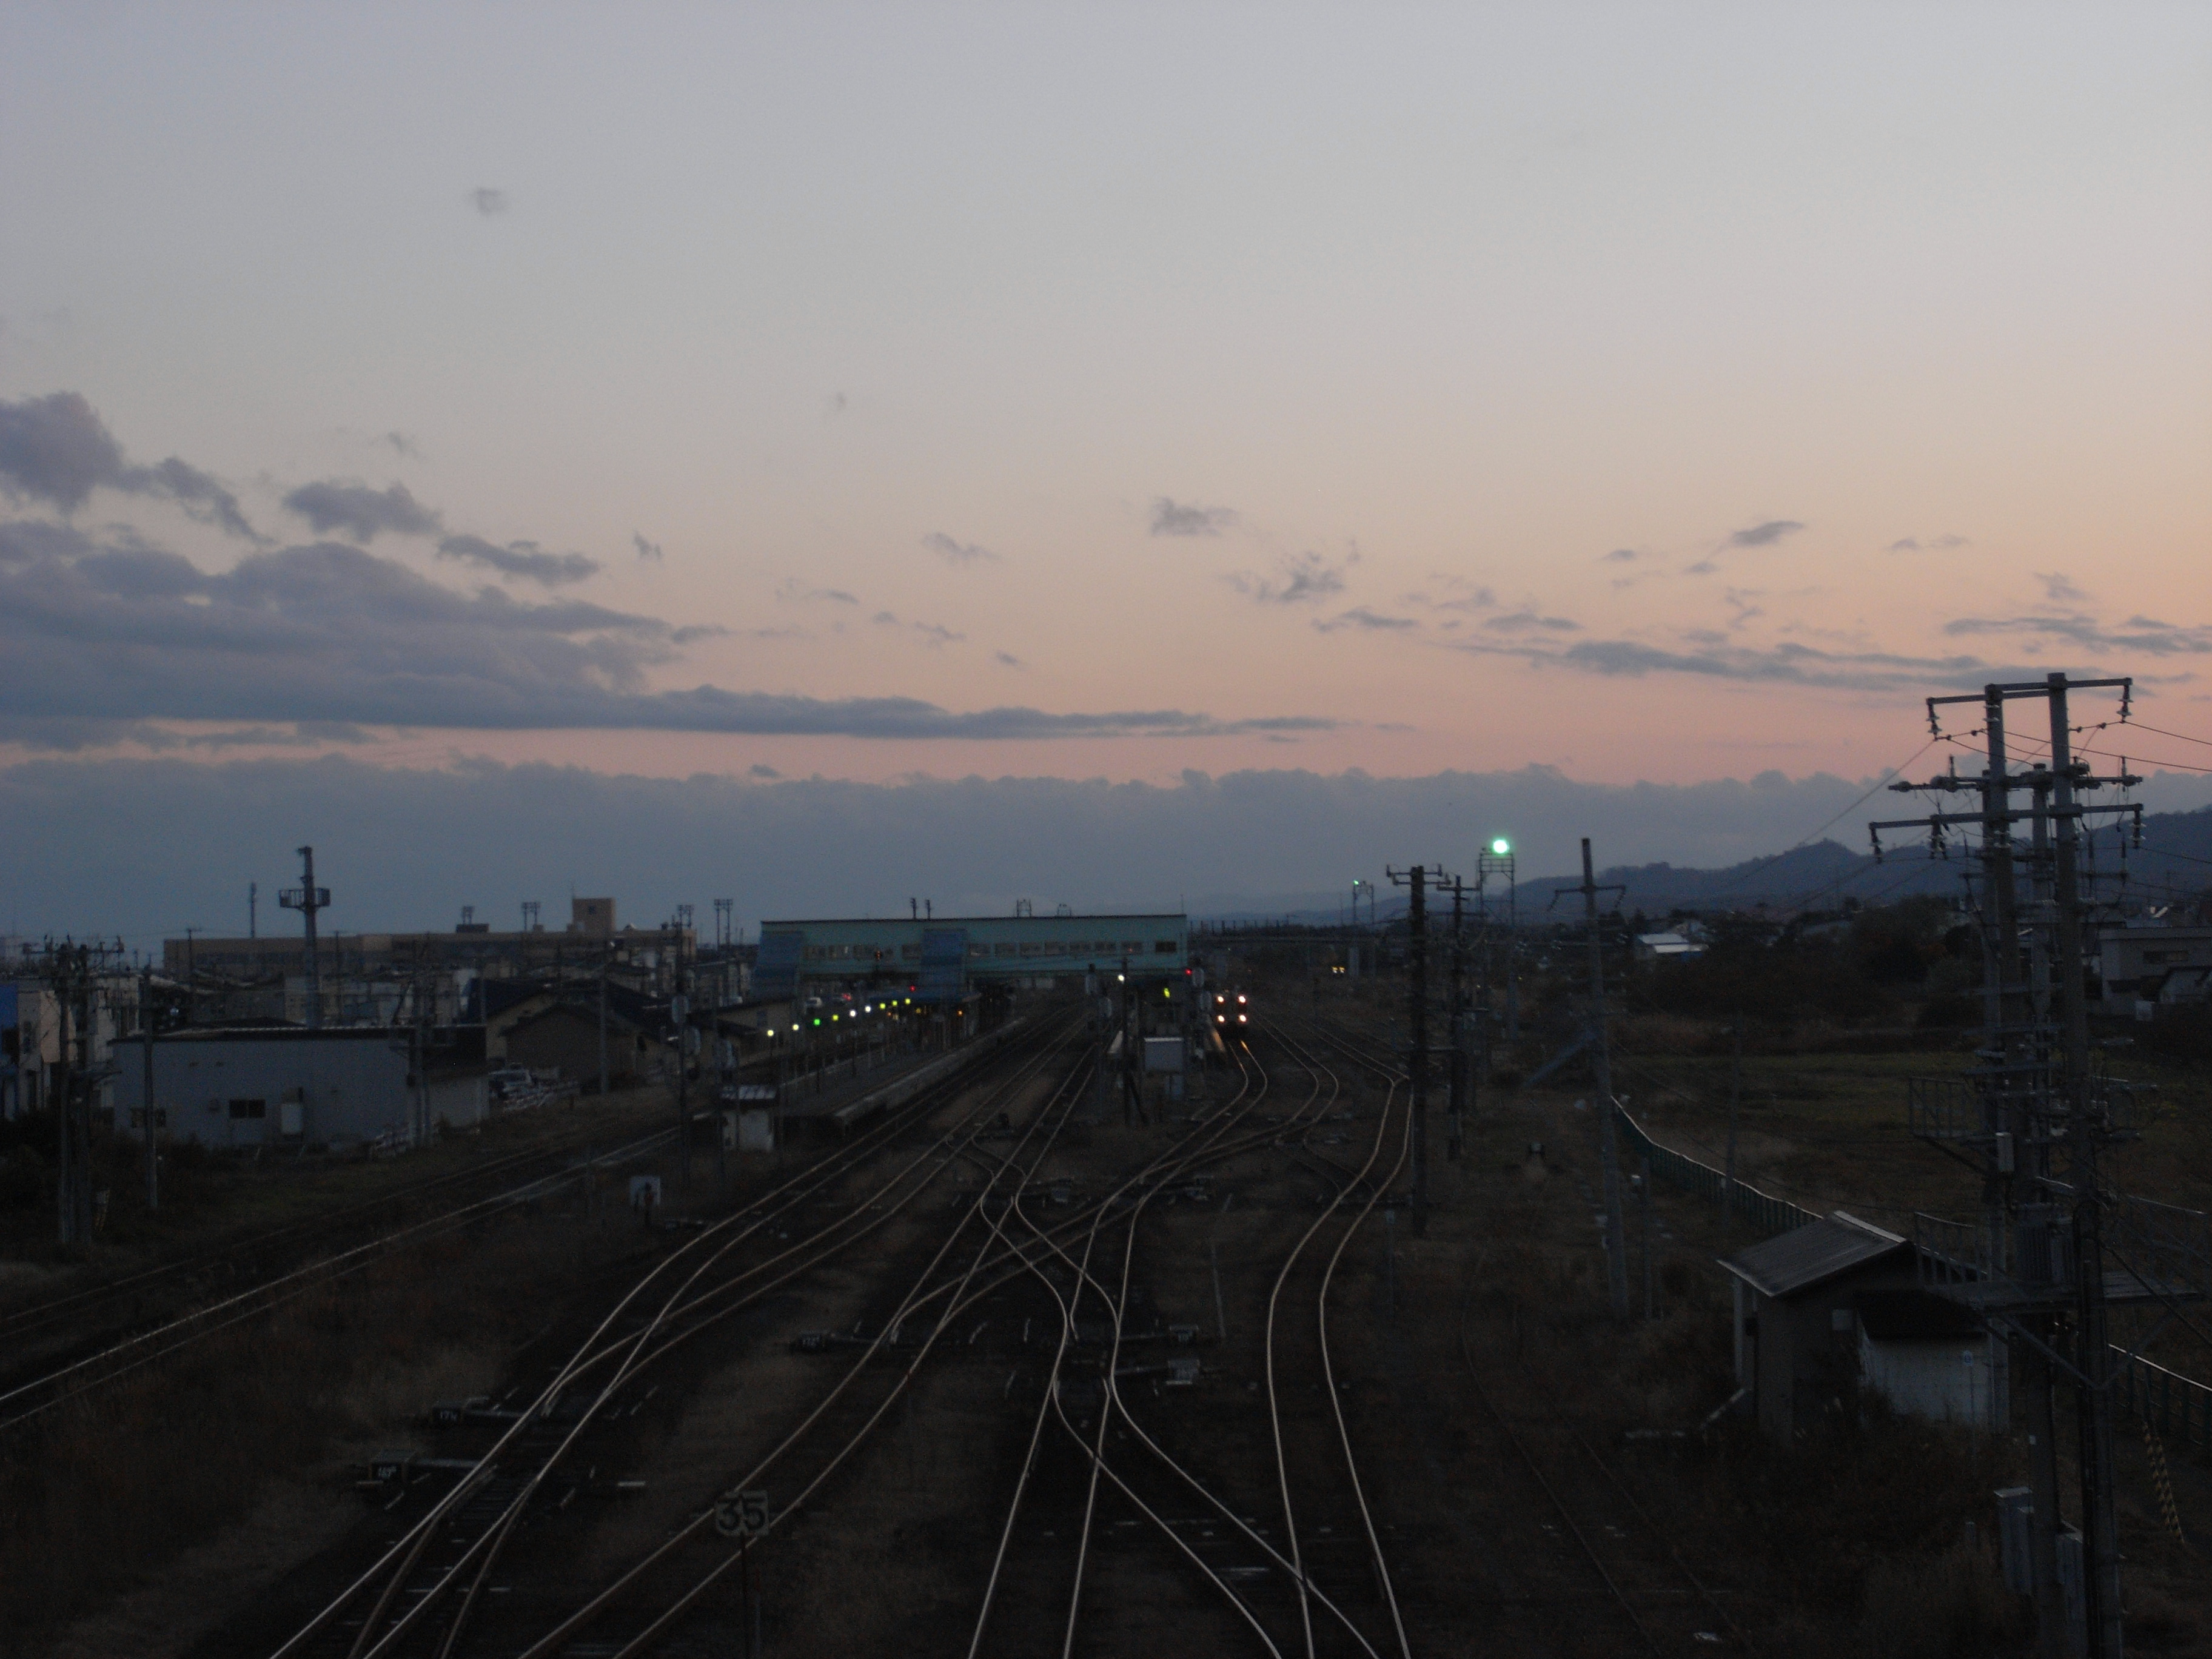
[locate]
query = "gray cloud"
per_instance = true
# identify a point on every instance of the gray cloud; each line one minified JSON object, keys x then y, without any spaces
{"x":1173,"y":518}
{"x":1939,"y":544}
{"x":2059,"y":588}
{"x":1764,"y":535}
{"x":525,"y":559}
{"x":1527,"y":620}
{"x":1361,"y":617}
{"x":932,"y":633}
{"x":1468,"y":597}
{"x":1007,"y":660}
{"x":2146,"y":634}
{"x":645,"y":549}
{"x":24,"y":541}
{"x":401,"y":445}
{"x":71,"y":734}
{"x":488,"y":202}
{"x":1709,"y":656}
{"x":1300,"y":580}
{"x":200,"y":496}
{"x":125,"y":631}
{"x":792,"y":592}
{"x":758,"y":770}
{"x":954,"y":552}
{"x":362,"y":512}
{"x":57,"y":449}
{"x":1619,"y":555}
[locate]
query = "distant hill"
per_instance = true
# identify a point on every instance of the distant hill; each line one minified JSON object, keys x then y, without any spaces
{"x":2175,"y":860}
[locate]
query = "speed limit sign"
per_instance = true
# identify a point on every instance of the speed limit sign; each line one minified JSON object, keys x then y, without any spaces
{"x":741,"y":1514}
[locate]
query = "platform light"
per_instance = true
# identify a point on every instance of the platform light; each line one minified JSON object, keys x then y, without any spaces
{"x":1501,"y":847}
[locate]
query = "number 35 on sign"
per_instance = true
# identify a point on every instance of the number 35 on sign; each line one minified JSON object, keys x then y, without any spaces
{"x":741,"y":1514}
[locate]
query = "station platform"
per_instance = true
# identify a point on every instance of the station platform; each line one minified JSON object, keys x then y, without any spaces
{"x":834,"y":1104}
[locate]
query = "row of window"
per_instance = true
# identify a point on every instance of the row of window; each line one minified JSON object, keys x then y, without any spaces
{"x":1104,"y":949}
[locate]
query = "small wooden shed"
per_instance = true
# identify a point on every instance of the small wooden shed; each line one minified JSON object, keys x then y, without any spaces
{"x":1797,"y":1343}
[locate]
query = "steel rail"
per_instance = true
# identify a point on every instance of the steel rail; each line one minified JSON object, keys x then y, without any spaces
{"x":1115,"y":1404}
{"x":768,"y":1206}
{"x":492,"y":1539}
{"x":1013,"y":1262}
{"x":36,"y":1316}
{"x":636,"y":1362}
{"x":1336,"y":1400}
{"x":1274,"y":1404}
{"x":1063,"y":1099}
{"x":1573,"y":1526}
{"x":299,"y":1281}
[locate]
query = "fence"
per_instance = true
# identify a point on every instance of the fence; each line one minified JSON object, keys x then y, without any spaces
{"x":1763,"y":1210}
{"x":2179,"y":1408}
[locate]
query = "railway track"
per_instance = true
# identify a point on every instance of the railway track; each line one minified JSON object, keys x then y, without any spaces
{"x":1035,"y":1592}
{"x":1278,"y":1534}
{"x":411,"y":1600}
{"x":1608,"y":1573}
{"x":22,"y":1326}
{"x":29,"y":1398}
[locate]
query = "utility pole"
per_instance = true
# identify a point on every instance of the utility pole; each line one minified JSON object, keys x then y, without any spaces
{"x":191,"y":979}
{"x":1416,"y":882}
{"x":2093,"y":1400}
{"x":1735,"y":1099}
{"x":146,"y":1038}
{"x":308,"y":899}
{"x":1458,"y":1077}
{"x":1616,"y":1245}
{"x":2033,"y":1119}
{"x":1498,"y":860}
{"x":602,"y":1024}
{"x":680,"y":1005}
{"x":252,"y":909}
{"x":69,"y":971}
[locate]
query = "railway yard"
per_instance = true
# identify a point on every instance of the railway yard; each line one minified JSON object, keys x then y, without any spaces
{"x":1003,"y":1371}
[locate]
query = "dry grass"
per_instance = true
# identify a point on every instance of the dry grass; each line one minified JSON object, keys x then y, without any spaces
{"x":106,"y":1489}
{"x":1952,"y":1605}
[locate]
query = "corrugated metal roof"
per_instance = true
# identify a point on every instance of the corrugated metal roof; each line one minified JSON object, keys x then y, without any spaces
{"x":1812,"y":1254}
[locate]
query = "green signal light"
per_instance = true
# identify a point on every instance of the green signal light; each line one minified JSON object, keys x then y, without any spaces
{"x":1501,"y":847}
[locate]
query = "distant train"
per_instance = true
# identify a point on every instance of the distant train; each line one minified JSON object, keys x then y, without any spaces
{"x":1231,"y":1008}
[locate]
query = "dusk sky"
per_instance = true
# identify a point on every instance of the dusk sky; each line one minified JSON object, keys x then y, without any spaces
{"x":1658,"y":394}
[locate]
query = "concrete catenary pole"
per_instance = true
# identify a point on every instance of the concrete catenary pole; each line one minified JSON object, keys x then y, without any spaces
{"x":2099,"y":1516}
{"x":1616,"y":1246}
{"x":146,"y":1039}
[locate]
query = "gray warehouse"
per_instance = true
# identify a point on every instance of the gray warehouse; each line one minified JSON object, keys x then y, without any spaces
{"x":282,"y":1086}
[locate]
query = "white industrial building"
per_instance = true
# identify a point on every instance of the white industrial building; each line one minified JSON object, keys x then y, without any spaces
{"x":288,"y":1087}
